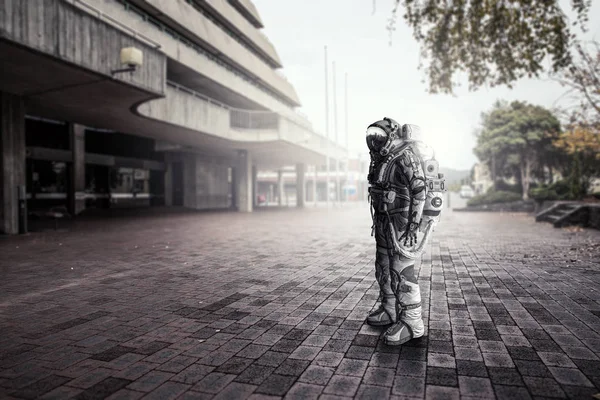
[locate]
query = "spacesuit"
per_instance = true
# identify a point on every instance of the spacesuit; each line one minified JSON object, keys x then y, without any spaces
{"x":405,"y":192}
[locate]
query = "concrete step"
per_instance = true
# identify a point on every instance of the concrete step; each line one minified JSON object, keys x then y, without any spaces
{"x":562,"y":211}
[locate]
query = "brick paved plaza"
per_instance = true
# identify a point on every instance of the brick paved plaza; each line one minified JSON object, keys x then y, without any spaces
{"x":272,"y":304}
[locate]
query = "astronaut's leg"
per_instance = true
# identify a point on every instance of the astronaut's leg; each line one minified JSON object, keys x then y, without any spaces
{"x":385,"y":311}
{"x":406,"y":289}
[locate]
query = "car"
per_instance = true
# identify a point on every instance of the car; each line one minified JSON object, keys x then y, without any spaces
{"x":466,"y":192}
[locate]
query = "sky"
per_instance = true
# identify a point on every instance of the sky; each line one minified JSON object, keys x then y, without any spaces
{"x":383,"y":80}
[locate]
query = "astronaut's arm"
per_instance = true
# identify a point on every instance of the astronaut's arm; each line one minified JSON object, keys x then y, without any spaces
{"x":415,"y":178}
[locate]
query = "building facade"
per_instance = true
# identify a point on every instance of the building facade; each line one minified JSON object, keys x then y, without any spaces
{"x":191,"y":126}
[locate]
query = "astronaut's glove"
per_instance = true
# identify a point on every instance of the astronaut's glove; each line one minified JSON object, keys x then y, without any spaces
{"x":410,"y":235}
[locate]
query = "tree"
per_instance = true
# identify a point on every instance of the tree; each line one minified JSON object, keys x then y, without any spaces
{"x":582,"y":78}
{"x":518,"y":135}
{"x":495,"y":42}
{"x":582,"y":143}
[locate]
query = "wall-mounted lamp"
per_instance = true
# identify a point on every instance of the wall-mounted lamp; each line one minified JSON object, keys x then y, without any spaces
{"x":132,"y":57}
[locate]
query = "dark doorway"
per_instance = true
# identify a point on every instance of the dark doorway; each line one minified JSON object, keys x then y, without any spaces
{"x":177,"y":184}
{"x":157,"y":188}
{"x":97,"y":185}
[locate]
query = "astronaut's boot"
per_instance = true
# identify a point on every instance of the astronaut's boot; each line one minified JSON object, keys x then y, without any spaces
{"x":409,"y":323}
{"x":385,"y":313}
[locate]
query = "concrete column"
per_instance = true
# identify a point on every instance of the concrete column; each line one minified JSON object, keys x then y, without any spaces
{"x":244,"y":181}
{"x":190,"y":196}
{"x":280,"y":187}
{"x":254,"y":186}
{"x":300,"y":184}
{"x":77,"y":187}
{"x":168,"y":183}
{"x":12,"y":160}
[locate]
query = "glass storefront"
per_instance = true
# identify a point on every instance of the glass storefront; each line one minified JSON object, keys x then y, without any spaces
{"x":47,"y":183}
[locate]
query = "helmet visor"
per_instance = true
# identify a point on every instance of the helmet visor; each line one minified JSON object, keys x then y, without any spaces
{"x":376,"y":138}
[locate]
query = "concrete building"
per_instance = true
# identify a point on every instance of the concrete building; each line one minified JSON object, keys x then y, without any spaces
{"x":192,"y":126}
{"x":482,"y":178}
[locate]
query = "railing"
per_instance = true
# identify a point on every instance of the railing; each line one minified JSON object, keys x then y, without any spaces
{"x":198,"y":95}
{"x":110,"y":20}
{"x":254,"y":119}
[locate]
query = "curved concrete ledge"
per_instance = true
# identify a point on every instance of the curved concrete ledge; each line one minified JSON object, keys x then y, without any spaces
{"x":184,"y":108}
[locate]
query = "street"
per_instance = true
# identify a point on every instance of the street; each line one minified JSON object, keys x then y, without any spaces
{"x":230,"y":305}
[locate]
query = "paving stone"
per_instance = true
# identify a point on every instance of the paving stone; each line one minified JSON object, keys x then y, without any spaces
{"x":272,"y":358}
{"x":511,"y":392}
{"x":467,"y":353}
{"x":441,"y":360}
{"x":328,"y":358}
{"x":409,"y":386}
{"x":103,"y":389}
{"x":235,"y":390}
{"x":370,"y":392}
{"x":303,"y":391}
{"x":570,"y":376}
{"x":292,"y":367}
{"x":556,"y":360}
{"x":41,"y":387}
{"x":62,"y":392}
{"x":476,"y":387}
{"x":336,"y":345}
{"x":441,"y":376}
{"x":352,"y":367}
{"x":125,"y":394}
{"x":305,"y":353}
{"x":532,"y":368}
{"x":276,"y":385}
{"x":497,"y":360}
{"x":544,"y":387}
{"x":434,"y":392}
{"x":150,"y":381}
{"x":235,"y":365}
{"x":360,"y":352}
{"x":167,"y":391}
{"x":342,"y":385}
{"x":317,"y":375}
{"x":192,"y":374}
{"x":214,"y":382}
{"x":255,"y":374}
{"x":253,"y":351}
{"x":505,"y":376}
{"x":471,"y":368}
{"x":379,"y":376}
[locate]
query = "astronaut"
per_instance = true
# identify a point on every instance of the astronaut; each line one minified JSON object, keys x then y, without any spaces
{"x":405,"y":192}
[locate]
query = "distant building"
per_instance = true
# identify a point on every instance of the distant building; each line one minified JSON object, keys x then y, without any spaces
{"x":353,"y":184}
{"x":482,"y":179}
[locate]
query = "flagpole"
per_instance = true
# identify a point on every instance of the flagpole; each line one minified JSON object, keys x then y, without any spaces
{"x":335,"y":127}
{"x":327,"y":128}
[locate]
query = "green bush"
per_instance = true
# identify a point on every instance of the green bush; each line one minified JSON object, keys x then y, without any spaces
{"x":494,"y":196}
{"x":543,"y":193}
{"x":560,"y":190}
{"x":502,"y":186}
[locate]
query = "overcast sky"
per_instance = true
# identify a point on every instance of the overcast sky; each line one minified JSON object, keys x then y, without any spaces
{"x":383,"y":81}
